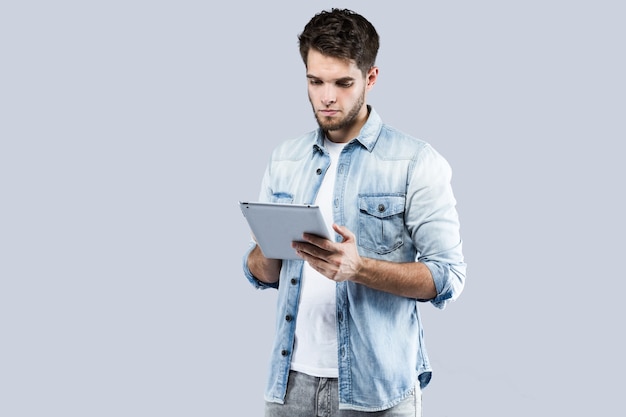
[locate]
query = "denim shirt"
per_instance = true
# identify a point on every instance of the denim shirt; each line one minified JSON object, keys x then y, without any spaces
{"x":393,"y":192}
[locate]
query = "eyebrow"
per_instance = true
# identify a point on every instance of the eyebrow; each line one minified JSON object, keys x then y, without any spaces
{"x":338,"y":80}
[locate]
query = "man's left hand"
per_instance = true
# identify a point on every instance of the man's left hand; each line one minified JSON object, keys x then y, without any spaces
{"x":338,"y":261}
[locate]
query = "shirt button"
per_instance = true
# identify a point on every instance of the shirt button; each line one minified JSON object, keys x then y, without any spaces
{"x":381,"y":207}
{"x":318,"y":171}
{"x":284,"y":352}
{"x":294,"y":281}
{"x":288,"y":317}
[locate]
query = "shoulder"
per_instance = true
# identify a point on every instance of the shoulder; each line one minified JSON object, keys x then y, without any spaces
{"x":395,"y":142}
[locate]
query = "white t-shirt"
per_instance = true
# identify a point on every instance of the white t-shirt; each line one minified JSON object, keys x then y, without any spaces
{"x":315,"y":350}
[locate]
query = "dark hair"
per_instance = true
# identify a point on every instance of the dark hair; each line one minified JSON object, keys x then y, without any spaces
{"x":341,"y":33}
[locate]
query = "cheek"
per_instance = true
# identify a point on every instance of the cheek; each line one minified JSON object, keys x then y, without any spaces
{"x":352,"y":97}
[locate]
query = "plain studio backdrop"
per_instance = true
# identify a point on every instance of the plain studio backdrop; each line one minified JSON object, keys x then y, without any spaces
{"x":130,"y":129}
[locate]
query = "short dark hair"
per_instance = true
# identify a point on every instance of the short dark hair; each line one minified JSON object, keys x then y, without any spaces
{"x":341,"y":33}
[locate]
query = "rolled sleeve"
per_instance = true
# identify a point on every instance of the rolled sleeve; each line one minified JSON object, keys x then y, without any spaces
{"x":253,"y":280}
{"x":449,"y":281}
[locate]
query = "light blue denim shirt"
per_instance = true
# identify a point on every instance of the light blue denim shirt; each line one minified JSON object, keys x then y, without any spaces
{"x":393,"y":192}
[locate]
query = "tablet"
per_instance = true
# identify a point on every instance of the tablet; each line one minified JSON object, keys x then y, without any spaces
{"x":276,"y":225}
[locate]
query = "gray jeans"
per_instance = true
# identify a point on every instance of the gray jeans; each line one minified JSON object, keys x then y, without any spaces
{"x":309,"y":396}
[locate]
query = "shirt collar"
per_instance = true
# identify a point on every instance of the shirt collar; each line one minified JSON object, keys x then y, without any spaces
{"x":368,"y":136}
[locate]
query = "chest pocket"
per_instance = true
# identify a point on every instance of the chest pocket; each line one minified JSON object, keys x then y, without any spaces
{"x":381,"y":222}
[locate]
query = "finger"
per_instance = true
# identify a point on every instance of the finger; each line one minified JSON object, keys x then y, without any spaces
{"x":309,"y":249}
{"x":319,"y":265}
{"x":318,"y":241}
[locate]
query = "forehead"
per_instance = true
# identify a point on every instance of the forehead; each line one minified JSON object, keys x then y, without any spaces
{"x":325,"y":66}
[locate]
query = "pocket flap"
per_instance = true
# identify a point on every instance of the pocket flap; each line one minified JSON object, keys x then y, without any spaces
{"x":382,"y":205}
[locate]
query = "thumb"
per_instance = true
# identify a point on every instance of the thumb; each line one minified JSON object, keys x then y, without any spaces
{"x":344,"y":232}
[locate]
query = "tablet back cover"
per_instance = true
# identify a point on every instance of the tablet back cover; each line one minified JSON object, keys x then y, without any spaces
{"x":276,"y":225}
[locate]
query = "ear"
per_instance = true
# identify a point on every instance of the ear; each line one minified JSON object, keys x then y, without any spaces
{"x":371,"y":77}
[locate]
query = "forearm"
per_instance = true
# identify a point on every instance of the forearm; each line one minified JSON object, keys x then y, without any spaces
{"x":264,"y":269}
{"x":412,"y":279}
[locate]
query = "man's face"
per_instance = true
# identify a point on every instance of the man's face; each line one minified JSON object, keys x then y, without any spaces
{"x":337,"y":91}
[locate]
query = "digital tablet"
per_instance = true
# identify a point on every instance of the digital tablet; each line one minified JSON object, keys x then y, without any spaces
{"x":276,"y":225}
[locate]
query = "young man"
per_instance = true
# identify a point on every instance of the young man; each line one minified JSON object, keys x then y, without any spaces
{"x":348,"y":332}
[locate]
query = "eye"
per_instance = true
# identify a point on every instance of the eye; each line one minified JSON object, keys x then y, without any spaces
{"x":315,"y":82}
{"x":345,"y":84}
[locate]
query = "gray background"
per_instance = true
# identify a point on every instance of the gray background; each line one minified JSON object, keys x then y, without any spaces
{"x":130,"y":129}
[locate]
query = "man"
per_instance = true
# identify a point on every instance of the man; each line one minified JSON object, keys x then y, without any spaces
{"x":348,"y":332}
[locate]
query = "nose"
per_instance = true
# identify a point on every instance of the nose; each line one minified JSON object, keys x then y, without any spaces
{"x":329,"y":97}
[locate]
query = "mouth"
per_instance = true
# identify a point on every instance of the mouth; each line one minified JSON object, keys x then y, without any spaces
{"x":328,"y":112}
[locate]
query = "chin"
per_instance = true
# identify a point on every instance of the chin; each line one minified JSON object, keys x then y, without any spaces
{"x":330,"y":126}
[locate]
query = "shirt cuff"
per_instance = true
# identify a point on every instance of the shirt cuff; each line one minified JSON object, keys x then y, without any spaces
{"x":253,"y":280}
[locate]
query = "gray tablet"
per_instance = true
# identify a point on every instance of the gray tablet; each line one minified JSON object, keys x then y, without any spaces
{"x":276,"y":225}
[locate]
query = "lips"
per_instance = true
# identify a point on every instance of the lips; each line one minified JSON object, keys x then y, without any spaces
{"x":328,"y":112}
